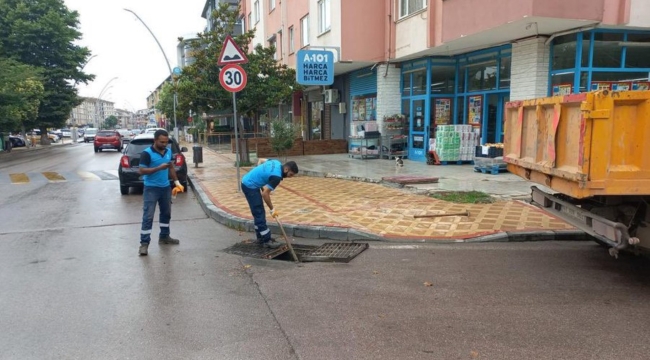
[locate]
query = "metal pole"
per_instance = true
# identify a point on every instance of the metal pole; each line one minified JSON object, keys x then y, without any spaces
{"x":234,"y":110}
{"x":171,"y":74}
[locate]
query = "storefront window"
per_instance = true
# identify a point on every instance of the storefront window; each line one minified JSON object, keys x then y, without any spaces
{"x":607,"y":50}
{"x":637,"y":51}
{"x":482,"y":76}
{"x":364,"y":108}
{"x":442,"y":111}
{"x":419,"y":82}
{"x":562,"y":84}
{"x":619,"y":81}
{"x":461,"y":79}
{"x":406,"y":84}
{"x":586,"y":41}
{"x":564,"y":52}
{"x":460,"y":117}
{"x":443,"y":79}
{"x":504,"y":74}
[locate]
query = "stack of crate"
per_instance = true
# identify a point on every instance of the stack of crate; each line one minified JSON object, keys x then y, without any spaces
{"x":455,"y":142}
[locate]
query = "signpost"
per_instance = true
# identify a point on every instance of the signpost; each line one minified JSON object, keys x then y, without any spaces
{"x":315,"y":67}
{"x":233,"y":78}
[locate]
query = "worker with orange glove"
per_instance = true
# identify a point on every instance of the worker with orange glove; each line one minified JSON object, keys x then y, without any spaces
{"x":156,"y":167}
{"x":257,"y":186}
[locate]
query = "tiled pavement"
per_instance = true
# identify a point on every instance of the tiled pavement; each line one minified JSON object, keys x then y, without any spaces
{"x":362,"y":209}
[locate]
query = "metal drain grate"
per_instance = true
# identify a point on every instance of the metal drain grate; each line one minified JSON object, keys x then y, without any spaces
{"x":329,"y":252}
{"x":334,"y":252}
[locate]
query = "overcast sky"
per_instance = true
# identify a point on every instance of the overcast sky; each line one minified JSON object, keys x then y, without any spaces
{"x":126,"y":50}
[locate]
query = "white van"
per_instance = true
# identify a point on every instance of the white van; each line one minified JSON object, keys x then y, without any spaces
{"x":89,"y":134}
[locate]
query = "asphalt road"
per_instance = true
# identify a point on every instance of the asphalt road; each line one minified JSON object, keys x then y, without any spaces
{"x":73,"y":287}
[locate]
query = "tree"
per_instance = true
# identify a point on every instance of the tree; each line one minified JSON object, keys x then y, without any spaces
{"x":110,"y":122}
{"x":42,"y":34}
{"x":198,"y":88}
{"x":166,"y":105}
{"x":283,"y":135}
{"x":21,"y":91}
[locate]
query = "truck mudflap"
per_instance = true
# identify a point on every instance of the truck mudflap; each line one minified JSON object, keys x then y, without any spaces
{"x":611,"y":233}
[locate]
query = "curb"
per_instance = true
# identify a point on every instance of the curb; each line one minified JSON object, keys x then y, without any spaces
{"x":350,"y":234}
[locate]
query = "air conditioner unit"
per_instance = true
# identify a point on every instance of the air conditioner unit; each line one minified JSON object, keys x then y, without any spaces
{"x":331,"y":96}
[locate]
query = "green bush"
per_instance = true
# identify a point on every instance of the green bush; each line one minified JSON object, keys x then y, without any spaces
{"x":283,"y":135}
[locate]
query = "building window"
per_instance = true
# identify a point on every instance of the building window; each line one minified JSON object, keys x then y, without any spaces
{"x":279,"y":45}
{"x":408,"y":7}
{"x":304,"y":31}
{"x":256,"y":9}
{"x":291,"y":46}
{"x":272,"y":44}
{"x":271,"y":5}
{"x":250,"y":22}
{"x":324,"y":23}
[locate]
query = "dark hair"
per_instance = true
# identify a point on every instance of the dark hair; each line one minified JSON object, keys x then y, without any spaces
{"x":292,"y":166}
{"x":160,"y":133}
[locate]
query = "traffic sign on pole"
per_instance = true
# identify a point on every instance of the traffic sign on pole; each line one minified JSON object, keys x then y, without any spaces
{"x":233,"y":78}
{"x":231,"y":53}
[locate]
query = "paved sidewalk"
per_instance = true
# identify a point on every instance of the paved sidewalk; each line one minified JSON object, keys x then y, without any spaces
{"x":333,"y":208}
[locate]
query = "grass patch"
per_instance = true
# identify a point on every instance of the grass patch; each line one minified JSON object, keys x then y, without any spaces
{"x":464,"y":197}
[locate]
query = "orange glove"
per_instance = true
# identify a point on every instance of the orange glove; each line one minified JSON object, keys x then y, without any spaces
{"x":175,"y":191}
{"x":274,"y":213}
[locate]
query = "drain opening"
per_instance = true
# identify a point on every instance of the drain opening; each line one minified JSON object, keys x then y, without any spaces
{"x":329,"y":252}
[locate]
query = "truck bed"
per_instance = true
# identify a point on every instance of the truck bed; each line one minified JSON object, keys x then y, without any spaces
{"x":582,"y":145}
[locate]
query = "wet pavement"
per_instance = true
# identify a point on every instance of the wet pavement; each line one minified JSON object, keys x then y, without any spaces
{"x":73,"y":287}
{"x":332,"y":206}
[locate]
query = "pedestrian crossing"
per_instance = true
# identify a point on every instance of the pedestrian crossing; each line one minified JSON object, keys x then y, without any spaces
{"x":57,"y":177}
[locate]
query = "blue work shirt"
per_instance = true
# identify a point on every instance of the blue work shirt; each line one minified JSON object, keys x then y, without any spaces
{"x":269,"y":173}
{"x":150,"y":158}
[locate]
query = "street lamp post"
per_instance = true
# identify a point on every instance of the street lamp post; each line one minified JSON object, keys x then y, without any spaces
{"x":171,"y":74}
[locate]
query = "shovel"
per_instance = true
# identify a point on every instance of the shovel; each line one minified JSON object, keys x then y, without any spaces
{"x":286,"y":240}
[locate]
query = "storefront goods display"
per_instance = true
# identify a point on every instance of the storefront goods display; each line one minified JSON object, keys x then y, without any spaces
{"x":455,"y":142}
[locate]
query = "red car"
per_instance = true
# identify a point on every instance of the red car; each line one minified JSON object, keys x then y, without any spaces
{"x":108,"y":139}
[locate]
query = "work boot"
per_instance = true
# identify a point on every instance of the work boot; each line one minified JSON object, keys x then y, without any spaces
{"x":168,"y":240}
{"x":271,"y":244}
{"x":144,"y":249}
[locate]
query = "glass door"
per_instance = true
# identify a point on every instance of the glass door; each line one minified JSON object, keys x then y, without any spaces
{"x":419,"y":132}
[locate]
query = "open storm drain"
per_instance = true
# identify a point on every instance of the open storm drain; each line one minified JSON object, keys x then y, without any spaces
{"x":328,"y":252}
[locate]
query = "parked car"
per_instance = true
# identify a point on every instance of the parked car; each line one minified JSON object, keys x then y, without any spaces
{"x":129,"y":168}
{"x":108,"y":139}
{"x":125,"y":134}
{"x":66,"y":133}
{"x":89,"y":134}
{"x":37,"y":134}
{"x":17,"y":141}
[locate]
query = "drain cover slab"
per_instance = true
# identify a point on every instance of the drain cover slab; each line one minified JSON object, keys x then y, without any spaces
{"x":254,"y":251}
{"x":334,"y":252}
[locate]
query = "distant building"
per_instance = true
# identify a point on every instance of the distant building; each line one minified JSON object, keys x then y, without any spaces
{"x":91,"y":112}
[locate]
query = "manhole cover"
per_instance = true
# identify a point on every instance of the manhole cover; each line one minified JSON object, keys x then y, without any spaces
{"x":334,"y":252}
{"x":329,"y":252}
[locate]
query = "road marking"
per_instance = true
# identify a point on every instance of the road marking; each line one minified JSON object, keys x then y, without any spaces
{"x":88,"y":176}
{"x":19,"y":178}
{"x":53,"y":176}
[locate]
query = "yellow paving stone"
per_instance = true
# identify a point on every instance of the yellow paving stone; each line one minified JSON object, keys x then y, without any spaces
{"x":369,"y":207}
{"x":21,"y":178}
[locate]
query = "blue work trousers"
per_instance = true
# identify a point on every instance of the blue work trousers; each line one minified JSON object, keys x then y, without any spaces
{"x":256,"y":204}
{"x":152,"y":196}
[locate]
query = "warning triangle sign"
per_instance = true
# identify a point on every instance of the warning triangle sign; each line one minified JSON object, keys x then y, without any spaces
{"x":231,"y":53}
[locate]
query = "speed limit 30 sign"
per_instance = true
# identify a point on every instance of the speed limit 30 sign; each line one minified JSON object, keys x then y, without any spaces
{"x":233,"y":78}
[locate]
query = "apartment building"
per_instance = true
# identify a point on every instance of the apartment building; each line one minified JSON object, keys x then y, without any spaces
{"x":451,"y":61}
{"x":91,"y":112}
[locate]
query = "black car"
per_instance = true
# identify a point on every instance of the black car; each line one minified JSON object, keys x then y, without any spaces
{"x":129,"y":168}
